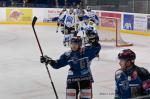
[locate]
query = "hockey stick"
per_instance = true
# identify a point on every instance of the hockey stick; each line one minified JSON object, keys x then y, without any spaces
{"x":84,"y":38}
{"x":75,"y":26}
{"x":33,"y":24}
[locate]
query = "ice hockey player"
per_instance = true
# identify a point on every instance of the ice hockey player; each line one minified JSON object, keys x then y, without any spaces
{"x":69,"y":25}
{"x":131,"y":81}
{"x":79,"y":12}
{"x":60,"y":21}
{"x":79,"y":80}
{"x":92,"y":15}
{"x":88,"y":28}
{"x":87,"y":25}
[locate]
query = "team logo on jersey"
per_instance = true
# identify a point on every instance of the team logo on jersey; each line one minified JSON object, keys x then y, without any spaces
{"x":69,"y":19}
{"x":125,"y":85}
{"x":83,"y":62}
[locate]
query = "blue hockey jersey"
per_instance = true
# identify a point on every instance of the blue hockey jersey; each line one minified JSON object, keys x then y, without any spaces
{"x":79,"y":62}
{"x":132,"y":83}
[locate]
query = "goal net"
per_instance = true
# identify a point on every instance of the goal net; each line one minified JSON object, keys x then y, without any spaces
{"x":109,"y":31}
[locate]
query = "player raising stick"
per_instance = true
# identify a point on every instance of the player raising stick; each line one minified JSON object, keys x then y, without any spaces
{"x":79,"y":80}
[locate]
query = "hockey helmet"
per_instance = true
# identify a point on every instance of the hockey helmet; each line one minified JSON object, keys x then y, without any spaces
{"x":127,"y":54}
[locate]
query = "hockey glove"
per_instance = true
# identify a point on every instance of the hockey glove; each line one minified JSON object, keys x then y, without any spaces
{"x":47,"y":60}
{"x":93,"y":39}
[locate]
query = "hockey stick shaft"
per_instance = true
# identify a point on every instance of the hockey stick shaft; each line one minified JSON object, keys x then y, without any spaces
{"x":33,"y":24}
{"x":51,"y":81}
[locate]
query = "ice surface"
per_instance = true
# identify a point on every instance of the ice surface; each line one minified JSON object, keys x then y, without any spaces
{"x":22,"y":76}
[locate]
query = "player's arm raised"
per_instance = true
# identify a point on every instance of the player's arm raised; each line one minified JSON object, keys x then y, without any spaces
{"x":94,"y":48}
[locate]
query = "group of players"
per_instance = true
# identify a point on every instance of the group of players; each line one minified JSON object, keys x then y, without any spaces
{"x":131,"y":80}
{"x":77,"y":21}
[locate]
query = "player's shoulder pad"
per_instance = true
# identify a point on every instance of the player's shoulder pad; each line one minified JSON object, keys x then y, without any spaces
{"x":143,"y":73}
{"x":67,"y":53}
{"x":143,"y":70}
{"x":65,"y":12}
{"x":118,"y":73}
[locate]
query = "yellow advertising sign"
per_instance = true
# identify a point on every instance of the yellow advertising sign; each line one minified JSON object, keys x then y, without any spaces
{"x":15,"y":14}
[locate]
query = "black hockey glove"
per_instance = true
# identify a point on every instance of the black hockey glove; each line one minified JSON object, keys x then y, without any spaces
{"x":47,"y":60}
{"x":93,"y":39}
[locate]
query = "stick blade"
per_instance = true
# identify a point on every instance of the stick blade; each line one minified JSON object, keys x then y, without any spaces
{"x":34,"y":20}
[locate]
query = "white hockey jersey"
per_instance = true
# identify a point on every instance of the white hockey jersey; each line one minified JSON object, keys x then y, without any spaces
{"x":70,"y":19}
{"x":92,"y":15}
{"x":89,"y":26}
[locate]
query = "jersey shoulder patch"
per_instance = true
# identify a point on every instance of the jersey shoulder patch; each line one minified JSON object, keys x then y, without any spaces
{"x":67,"y":53}
{"x":118,"y":73}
